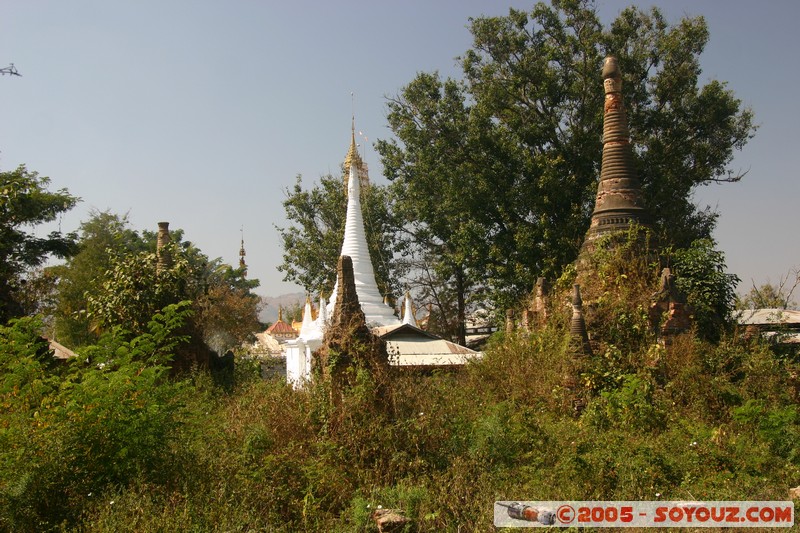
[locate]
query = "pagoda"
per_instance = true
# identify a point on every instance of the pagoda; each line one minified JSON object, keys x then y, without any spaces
{"x":619,"y":203}
{"x":410,"y":346}
{"x":376,"y":311}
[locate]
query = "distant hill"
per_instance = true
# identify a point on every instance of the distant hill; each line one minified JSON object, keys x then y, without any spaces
{"x":271,"y":303}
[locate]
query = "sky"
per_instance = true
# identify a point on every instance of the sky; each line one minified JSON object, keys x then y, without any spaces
{"x":201,"y":113}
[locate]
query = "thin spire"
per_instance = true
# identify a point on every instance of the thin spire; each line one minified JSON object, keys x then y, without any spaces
{"x":352,"y":158}
{"x":242,"y":254}
{"x":307,"y":326}
{"x":355,"y":246}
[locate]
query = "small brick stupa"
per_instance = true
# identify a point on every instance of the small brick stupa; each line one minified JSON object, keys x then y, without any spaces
{"x":348,"y":342}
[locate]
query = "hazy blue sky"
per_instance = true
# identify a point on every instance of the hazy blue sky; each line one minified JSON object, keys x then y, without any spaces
{"x":202,"y":112}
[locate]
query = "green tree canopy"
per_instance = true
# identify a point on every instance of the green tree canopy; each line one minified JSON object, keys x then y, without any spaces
{"x":114,"y":281}
{"x":103,"y":237}
{"x":26,"y":203}
{"x":771,"y":296}
{"x":134,"y":288}
{"x":444,"y":187}
{"x":498,"y":172}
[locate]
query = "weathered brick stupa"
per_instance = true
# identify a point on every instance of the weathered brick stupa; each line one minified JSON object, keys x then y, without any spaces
{"x":619,"y":202}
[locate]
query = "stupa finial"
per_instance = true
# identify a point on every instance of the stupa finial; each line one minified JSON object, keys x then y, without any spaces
{"x":242,"y":254}
{"x":352,"y":157}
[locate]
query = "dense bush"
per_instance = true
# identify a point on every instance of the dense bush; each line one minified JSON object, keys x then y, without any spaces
{"x":70,"y":433}
{"x":114,"y":443}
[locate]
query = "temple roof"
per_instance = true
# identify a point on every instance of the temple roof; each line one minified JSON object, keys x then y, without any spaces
{"x":281,"y":328}
{"x":410,"y":346}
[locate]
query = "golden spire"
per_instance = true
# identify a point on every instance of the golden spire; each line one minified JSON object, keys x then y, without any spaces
{"x":352,"y":157}
{"x":242,"y":254}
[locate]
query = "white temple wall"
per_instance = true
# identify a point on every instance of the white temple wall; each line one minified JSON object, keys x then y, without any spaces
{"x":298,"y":361}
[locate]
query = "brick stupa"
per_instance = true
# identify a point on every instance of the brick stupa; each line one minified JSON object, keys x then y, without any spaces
{"x":619,"y":202}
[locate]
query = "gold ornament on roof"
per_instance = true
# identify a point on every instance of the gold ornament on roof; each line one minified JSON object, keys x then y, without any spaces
{"x":352,"y":157}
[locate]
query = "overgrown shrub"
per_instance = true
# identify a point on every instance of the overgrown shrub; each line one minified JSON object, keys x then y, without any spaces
{"x":70,"y":434}
{"x":710,"y":291}
{"x":697,"y":421}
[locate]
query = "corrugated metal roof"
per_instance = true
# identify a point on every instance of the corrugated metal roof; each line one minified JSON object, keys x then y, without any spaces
{"x":410,"y":346}
{"x":768,"y":317}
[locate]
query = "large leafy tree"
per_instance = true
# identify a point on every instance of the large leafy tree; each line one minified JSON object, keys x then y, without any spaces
{"x":25,"y":202}
{"x":114,"y":281}
{"x":515,"y":148}
{"x":312,"y":241}
{"x":444,"y":178}
{"x":134,"y":288}
{"x":103,"y":237}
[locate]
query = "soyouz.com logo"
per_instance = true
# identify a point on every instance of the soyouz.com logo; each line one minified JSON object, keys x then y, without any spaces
{"x":643,"y":514}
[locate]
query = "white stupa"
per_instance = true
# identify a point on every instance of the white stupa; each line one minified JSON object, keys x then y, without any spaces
{"x":377,"y":313}
{"x":411,"y":346}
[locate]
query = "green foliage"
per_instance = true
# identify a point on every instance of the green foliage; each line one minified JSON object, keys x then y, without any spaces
{"x":779,"y":427}
{"x":104,"y":238}
{"x":132,"y":290}
{"x":704,"y":421}
{"x":618,"y":278}
{"x":122,"y":285}
{"x":499,"y":173}
{"x":700,"y":275}
{"x":630,"y":405}
{"x":771,"y":296}
{"x":71,"y":433}
{"x":496,"y":174}
{"x":25,"y":202}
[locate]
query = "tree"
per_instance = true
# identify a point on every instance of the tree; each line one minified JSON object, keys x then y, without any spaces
{"x":104,"y":237}
{"x":515,"y":148}
{"x":227,"y":310}
{"x":710,"y":291}
{"x":25,"y":202}
{"x":772,"y":296}
{"x":442,"y":192}
{"x":312,"y":241}
{"x":133,"y":289}
{"x":538,"y":75}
